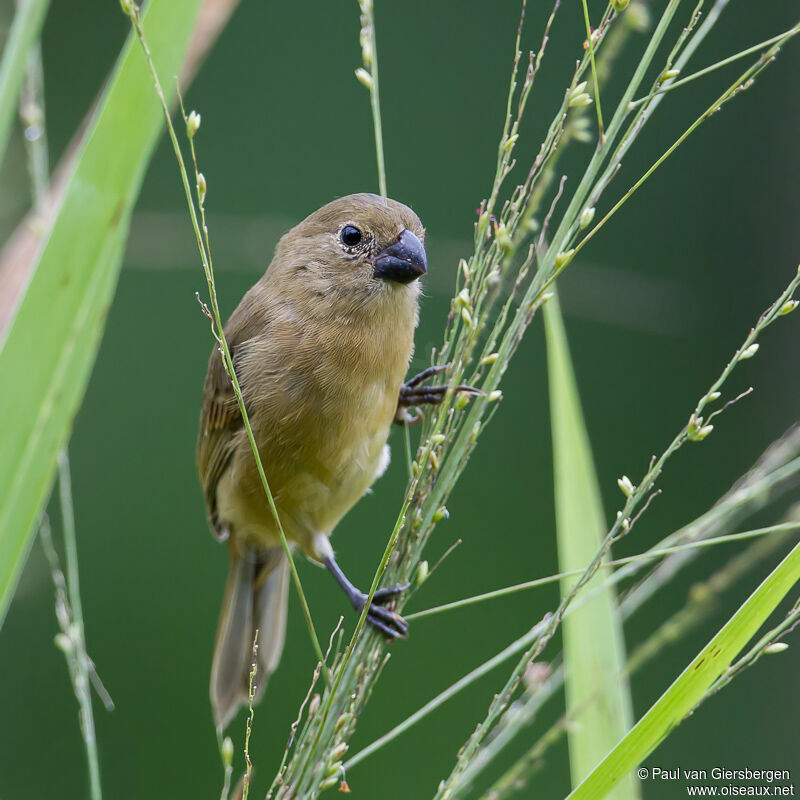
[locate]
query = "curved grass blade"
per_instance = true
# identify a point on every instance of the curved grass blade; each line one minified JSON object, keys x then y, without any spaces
{"x":52,"y":341}
{"x":691,"y":685}
{"x":594,"y":650}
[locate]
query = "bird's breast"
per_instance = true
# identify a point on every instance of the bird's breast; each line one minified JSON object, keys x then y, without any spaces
{"x":325,"y":402}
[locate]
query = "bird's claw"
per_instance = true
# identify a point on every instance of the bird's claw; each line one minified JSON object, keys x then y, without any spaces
{"x":414,"y":393}
{"x":388,"y":622}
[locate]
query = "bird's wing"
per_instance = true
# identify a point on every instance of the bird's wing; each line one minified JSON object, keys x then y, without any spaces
{"x":220,"y":418}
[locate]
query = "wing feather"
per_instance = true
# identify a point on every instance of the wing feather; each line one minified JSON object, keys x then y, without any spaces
{"x":220,"y":419}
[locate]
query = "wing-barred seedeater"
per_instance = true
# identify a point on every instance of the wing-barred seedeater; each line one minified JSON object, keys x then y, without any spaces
{"x":320,"y":345}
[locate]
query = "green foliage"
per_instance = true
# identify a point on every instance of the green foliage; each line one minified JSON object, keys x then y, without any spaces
{"x":594,"y":648}
{"x":693,"y":683}
{"x":44,"y":368}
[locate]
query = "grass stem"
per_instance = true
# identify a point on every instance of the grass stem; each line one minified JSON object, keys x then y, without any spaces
{"x":133,"y":12}
{"x":655,"y":553}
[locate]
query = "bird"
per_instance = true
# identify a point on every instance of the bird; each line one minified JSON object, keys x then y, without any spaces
{"x":320,"y":346}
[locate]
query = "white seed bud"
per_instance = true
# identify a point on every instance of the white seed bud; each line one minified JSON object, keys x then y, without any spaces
{"x":467,"y":317}
{"x":422,"y":572}
{"x":366,"y":47}
{"x":440,"y":514}
{"x":364,"y":78}
{"x":330,"y":781}
{"x":437,"y":438}
{"x":227,"y":752}
{"x":564,"y":257}
{"x":776,"y":647}
{"x":580,"y":100}
{"x":700,"y":433}
{"x":494,"y":396}
{"x":343,"y":720}
{"x":749,"y":352}
{"x":202,"y":187}
{"x":788,"y":307}
{"x":587,"y":215}
{"x":490,"y":359}
{"x":626,"y":485}
{"x":192,"y":124}
{"x":334,"y":769}
{"x":338,"y":751}
{"x":63,"y":642}
{"x":667,"y":74}
{"x":578,"y":89}
{"x":714,"y":396}
{"x":463,"y":299}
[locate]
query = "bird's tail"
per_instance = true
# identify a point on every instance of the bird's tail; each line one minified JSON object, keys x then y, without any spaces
{"x":255,"y":599}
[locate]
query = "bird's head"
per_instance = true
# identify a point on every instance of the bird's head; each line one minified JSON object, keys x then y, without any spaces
{"x":355,"y":251}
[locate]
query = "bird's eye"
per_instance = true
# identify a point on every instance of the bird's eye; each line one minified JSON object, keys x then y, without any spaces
{"x":350,"y":236}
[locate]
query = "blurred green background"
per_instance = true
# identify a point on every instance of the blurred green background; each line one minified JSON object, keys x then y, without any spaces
{"x":654,"y":309}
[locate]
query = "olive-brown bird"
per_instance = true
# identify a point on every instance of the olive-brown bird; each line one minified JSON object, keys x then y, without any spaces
{"x":320,"y":346}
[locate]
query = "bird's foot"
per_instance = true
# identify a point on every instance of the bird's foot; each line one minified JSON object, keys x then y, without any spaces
{"x":414,"y":393}
{"x":388,"y":622}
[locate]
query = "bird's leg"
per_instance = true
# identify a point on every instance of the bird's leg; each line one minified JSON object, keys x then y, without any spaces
{"x":389,"y":623}
{"x":413,"y":394}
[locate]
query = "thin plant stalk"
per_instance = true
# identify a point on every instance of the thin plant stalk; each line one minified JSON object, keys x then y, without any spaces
{"x":772,"y":531}
{"x":32,"y":113}
{"x":775,"y":472}
{"x":458,"y":426}
{"x":696,"y":429}
{"x":719,"y":64}
{"x":743,"y":82}
{"x":648,"y":555}
{"x":762,"y":647}
{"x":132,"y":11}
{"x":595,"y":82}
{"x":81,"y":674}
{"x":702,"y":603}
{"x":22,"y":36}
{"x":450,"y":434}
{"x":368,"y":75}
{"x":251,"y":696}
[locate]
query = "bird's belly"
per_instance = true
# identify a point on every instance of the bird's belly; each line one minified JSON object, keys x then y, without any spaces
{"x":317,"y":468}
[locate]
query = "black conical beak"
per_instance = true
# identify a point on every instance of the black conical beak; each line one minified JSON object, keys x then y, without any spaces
{"x":402,"y":262}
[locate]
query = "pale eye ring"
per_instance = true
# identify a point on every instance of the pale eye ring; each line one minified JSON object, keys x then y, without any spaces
{"x":350,"y":236}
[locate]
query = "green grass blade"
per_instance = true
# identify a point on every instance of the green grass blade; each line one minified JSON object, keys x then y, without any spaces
{"x":24,"y":31}
{"x":48,"y":354}
{"x":690,"y":686}
{"x":597,"y":692}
